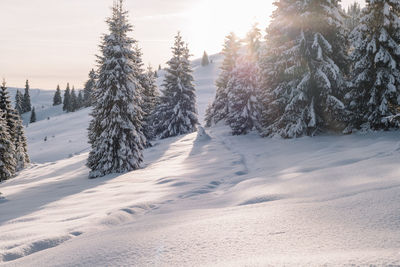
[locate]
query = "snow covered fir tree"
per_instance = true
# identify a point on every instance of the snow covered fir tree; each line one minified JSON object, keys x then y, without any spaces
{"x":88,"y":89}
{"x":150,"y":100}
{"x":177,"y":113}
{"x":307,"y":69}
{"x":205,"y":61}
{"x":115,"y":132}
{"x":33,"y":116}
{"x":375,"y":92}
{"x":57,"y":99}
{"x":7,"y":151}
{"x":19,"y":99}
{"x":219,"y":109}
{"x":67,"y":99}
{"x":26,"y":103}
{"x":12,"y":138}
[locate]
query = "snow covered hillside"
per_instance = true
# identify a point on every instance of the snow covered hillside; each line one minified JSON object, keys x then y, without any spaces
{"x":205,"y":199}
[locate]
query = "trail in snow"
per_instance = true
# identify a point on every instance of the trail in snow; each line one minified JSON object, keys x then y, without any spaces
{"x":204,"y":199}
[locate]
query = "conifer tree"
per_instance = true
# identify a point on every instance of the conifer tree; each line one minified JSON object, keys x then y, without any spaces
{"x":11,"y":116}
{"x":253,"y":43}
{"x":33,"y":115}
{"x":310,"y":70}
{"x":57,"y":99}
{"x":159,"y":67}
{"x":19,"y":98}
{"x":205,"y":61}
{"x":150,"y":102}
{"x":7,"y":152}
{"x":353,"y":16}
{"x":67,"y":99}
{"x":74,"y":101}
{"x":27,"y":98}
{"x":89,"y":86}
{"x":375,"y":94}
{"x":80,"y":100}
{"x":115,"y":132}
{"x":220,"y":107}
{"x":244,"y":110}
{"x":21,"y":150}
{"x":177,"y":113}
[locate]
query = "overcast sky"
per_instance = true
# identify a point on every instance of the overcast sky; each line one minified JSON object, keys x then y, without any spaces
{"x":53,"y":42}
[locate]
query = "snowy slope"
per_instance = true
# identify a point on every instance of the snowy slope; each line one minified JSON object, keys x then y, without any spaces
{"x":42,"y":100}
{"x":205,"y":199}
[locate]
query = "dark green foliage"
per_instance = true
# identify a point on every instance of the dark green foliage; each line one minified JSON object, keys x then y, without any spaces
{"x":88,"y":89}
{"x":19,"y":99}
{"x":27,"y":99}
{"x":67,"y":99}
{"x":33,"y":116}
{"x":177,"y":112}
{"x":57,"y":99}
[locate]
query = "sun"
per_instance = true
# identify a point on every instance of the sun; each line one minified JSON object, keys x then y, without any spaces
{"x":211,"y":21}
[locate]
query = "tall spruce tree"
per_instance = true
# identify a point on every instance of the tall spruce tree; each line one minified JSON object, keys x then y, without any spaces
{"x":67,"y":99}
{"x":33,"y":116}
{"x":220,"y":107}
{"x":11,"y":116}
{"x":115,"y":132}
{"x":353,"y":16}
{"x":375,"y":94}
{"x":205,"y":60}
{"x":80,"y":100}
{"x":74,"y":101}
{"x":177,"y":113}
{"x":7,"y":151}
{"x":21,"y":150}
{"x":27,"y":98}
{"x":57,"y":99}
{"x":253,"y":43}
{"x":310,"y":70}
{"x":88,"y":89}
{"x":244,"y":110}
{"x":19,"y":99}
{"x":150,"y":101}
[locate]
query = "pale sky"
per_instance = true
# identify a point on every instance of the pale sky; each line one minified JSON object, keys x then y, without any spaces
{"x":53,"y":42}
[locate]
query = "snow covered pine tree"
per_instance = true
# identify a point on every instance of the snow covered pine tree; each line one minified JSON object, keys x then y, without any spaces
{"x":27,"y":99}
{"x":67,"y":99}
{"x":310,"y":81}
{"x":16,"y":136}
{"x":88,"y":89}
{"x":243,"y":87}
{"x":57,"y":100}
{"x":219,"y":109}
{"x":375,"y":94}
{"x":177,"y":113}
{"x":19,"y":99}
{"x":7,"y":160}
{"x":150,"y":101}
{"x":115,"y":132}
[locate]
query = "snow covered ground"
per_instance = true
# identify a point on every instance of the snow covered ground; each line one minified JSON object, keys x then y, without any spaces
{"x":205,"y":199}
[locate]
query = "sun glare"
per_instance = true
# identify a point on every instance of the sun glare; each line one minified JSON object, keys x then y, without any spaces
{"x":212,"y":20}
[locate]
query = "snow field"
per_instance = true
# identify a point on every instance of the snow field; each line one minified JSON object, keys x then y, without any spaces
{"x":205,"y":199}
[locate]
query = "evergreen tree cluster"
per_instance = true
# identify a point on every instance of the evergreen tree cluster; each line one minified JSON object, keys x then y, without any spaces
{"x":72,"y":102}
{"x":23,"y":101}
{"x":128,"y":111}
{"x":13,"y":145}
{"x":319,"y":69}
